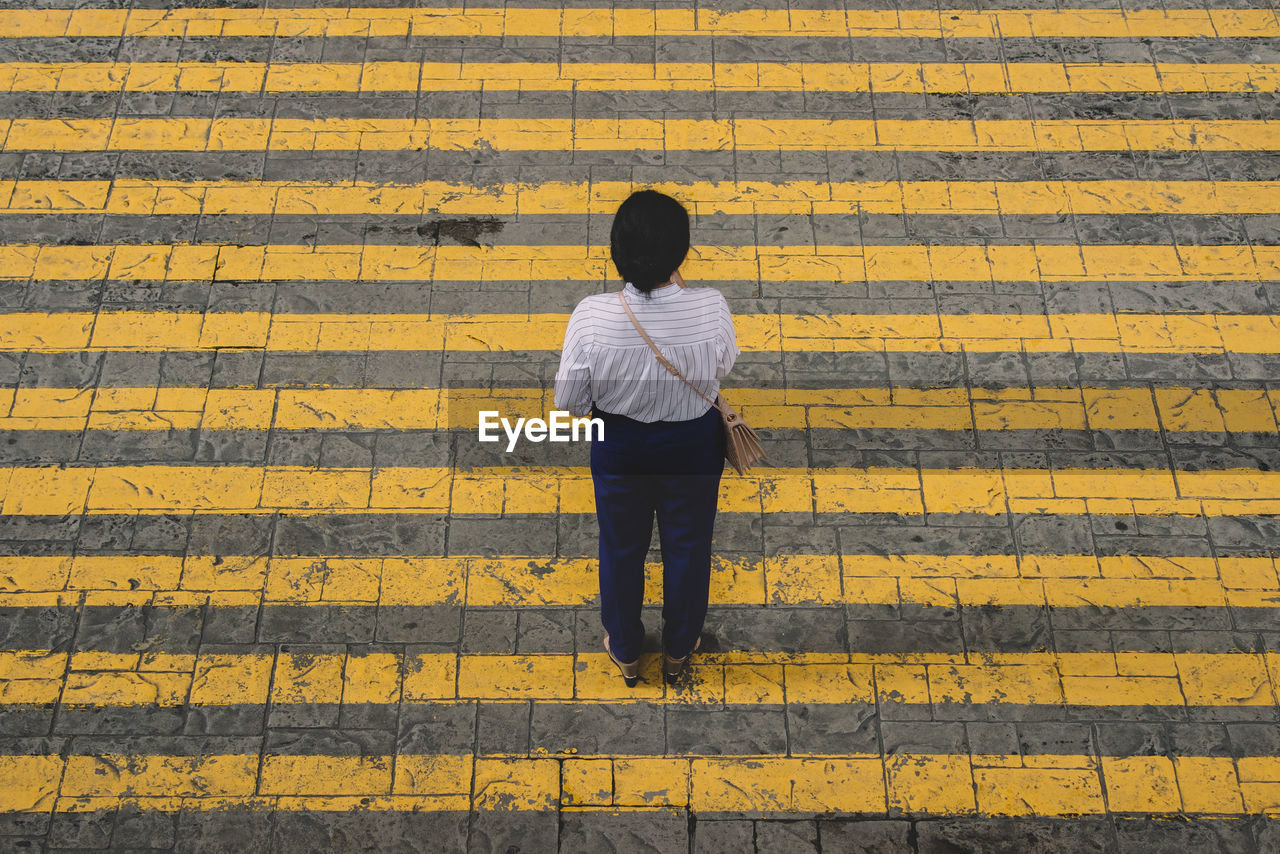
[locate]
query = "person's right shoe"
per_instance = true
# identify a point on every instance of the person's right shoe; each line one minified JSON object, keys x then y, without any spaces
{"x":673,"y":667}
{"x":630,"y":670}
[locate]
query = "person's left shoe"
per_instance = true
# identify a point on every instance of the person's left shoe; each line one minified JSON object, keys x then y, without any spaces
{"x":630,"y":670}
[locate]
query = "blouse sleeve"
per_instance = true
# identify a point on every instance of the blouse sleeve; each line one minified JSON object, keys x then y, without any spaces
{"x":573,"y":377}
{"x":726,"y":340}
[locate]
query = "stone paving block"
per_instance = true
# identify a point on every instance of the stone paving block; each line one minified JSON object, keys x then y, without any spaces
{"x":42,"y":448}
{"x":186,"y":369}
{"x":888,"y":636}
{"x":1266,"y":834}
{"x":489,"y":631}
{"x":823,"y":729}
{"x":399,"y":449}
{"x":329,"y":742}
{"x":991,"y":737}
{"x":229,"y":534}
{"x":500,"y":536}
{"x":318,"y":624}
{"x":1197,"y":738}
{"x":1135,"y":739}
{"x":620,"y":831}
{"x":27,"y":720}
{"x":220,"y":447}
{"x":992,"y":629}
{"x":913,"y":737}
{"x":731,"y":731}
{"x":1052,"y":837}
{"x":865,"y":837}
{"x":1145,"y":835}
{"x":1036,"y":738}
{"x":137,"y":829}
{"x":633,"y":728}
{"x":503,"y":727}
{"x":225,"y":720}
{"x":85,"y":831}
{"x":492,"y":832}
{"x":438,"y":626}
{"x":1053,"y":535}
{"x":231,"y":625}
{"x":544,"y":631}
{"x":723,"y":836}
{"x":905,"y":718}
{"x":432,"y":728}
{"x":25,"y":829}
{"x":792,"y":837}
{"x":153,"y":720}
{"x":819,"y":630}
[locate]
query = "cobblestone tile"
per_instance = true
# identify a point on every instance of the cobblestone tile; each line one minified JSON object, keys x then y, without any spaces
{"x":929,"y":594}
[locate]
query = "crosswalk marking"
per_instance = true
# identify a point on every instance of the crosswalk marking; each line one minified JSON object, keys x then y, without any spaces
{"x":145,"y":331}
{"x":633,"y":134}
{"x":1174,"y":409}
{"x":506,"y":263}
{"x":949,"y":581}
{"x":881,"y":77}
{"x":940,"y":783}
{"x":479,"y":22}
{"x":149,"y":489}
{"x":92,"y":679}
{"x":103,"y":637}
{"x":125,"y":196}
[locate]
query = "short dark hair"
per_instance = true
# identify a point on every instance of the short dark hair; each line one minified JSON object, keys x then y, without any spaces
{"x":650,"y":239}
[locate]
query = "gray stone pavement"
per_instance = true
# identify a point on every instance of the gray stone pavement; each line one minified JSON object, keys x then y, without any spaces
{"x":1094,"y":668}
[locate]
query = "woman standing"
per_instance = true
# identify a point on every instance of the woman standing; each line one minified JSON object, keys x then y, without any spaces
{"x":663,"y":447}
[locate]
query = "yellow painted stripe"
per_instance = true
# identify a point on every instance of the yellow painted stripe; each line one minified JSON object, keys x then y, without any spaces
{"x":950,"y":581}
{"x":395,"y":76}
{"x":937,"y":784}
{"x":607,"y":22}
{"x":125,"y":196}
{"x":178,"y":408}
{"x":520,"y":262}
{"x":146,"y":489}
{"x":560,"y":135}
{"x":103,"y":679}
{"x":140,"y":331}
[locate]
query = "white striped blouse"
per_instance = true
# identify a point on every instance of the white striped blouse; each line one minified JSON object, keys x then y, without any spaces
{"x":605,"y":360}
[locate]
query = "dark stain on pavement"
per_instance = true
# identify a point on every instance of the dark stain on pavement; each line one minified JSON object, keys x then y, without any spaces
{"x":465,"y":231}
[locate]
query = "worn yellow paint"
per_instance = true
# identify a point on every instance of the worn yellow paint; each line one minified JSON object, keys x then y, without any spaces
{"x":1025,"y":791}
{"x":940,"y":784}
{"x":146,"y":489}
{"x":958,"y":408}
{"x":141,"y":331}
{"x":115,"y":775}
{"x":849,"y":263}
{"x":30,"y":783}
{"x":516,"y":783}
{"x":612,"y":22}
{"x":947,"y":580}
{"x":442,"y":776}
{"x":565,"y":134}
{"x":127,"y":196}
{"x":586,"y":782}
{"x":749,"y":677}
{"x":398,"y":76}
{"x":325,"y":775}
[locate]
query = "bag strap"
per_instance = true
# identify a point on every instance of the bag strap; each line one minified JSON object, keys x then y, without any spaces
{"x":662,"y":360}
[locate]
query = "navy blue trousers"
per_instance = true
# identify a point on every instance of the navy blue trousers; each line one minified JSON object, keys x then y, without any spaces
{"x":669,"y":470}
